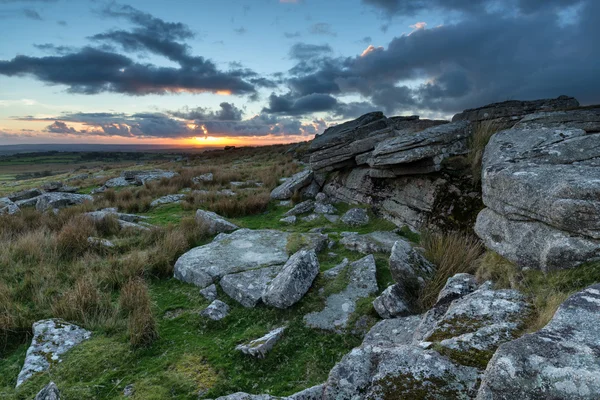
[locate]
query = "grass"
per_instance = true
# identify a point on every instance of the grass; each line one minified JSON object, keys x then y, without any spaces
{"x":546,"y":291}
{"x":482,"y":133}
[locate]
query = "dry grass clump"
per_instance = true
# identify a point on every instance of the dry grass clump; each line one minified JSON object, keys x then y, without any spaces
{"x":72,"y":239}
{"x":107,"y":226}
{"x":135,"y":301}
{"x":482,"y":133}
{"x":166,"y":251}
{"x":452,"y":253}
{"x":84,"y":303}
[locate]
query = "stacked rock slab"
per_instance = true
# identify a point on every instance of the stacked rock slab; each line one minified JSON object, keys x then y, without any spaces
{"x":542,"y":192}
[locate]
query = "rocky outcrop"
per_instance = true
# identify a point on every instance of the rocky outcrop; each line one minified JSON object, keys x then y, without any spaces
{"x":587,"y":119}
{"x":422,"y":152}
{"x":7,"y":206}
{"x":217,"y":310}
{"x":133,"y":178}
{"x":261,"y":346}
{"x":214,"y":223}
{"x":125,"y":221}
{"x":239,"y":251}
{"x":393,"y":302}
{"x":287,"y":189}
{"x":48,"y":392}
{"x":51,"y":339}
{"x":512,"y":110}
{"x":362,"y":283}
{"x":25,"y":194}
{"x":561,"y":361}
{"x":294,"y":280}
{"x":168,"y":199}
{"x":542,"y":191}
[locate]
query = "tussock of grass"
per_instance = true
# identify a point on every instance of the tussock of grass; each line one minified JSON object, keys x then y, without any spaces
{"x":482,"y":133}
{"x":135,"y":301}
{"x":452,"y":253}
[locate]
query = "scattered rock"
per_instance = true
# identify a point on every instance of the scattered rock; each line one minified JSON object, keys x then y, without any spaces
{"x":54,"y":186}
{"x":356,"y":217}
{"x":117,"y":182}
{"x":287,"y":189}
{"x":56,"y":200}
{"x":335,"y":271}
{"x":247,"y":287}
{"x":322,"y":198}
{"x":95,"y":241}
{"x":261,"y":346}
{"x":393,"y":302}
{"x":561,"y":361}
{"x":392,"y":332}
{"x":285,"y":203}
{"x":217,"y":310}
{"x":51,"y":339}
{"x":214,"y":223}
{"x":168,"y":199}
{"x":49,"y":392}
{"x":8,"y":207}
{"x":374,"y":242}
{"x":209,"y":292}
{"x":294,"y":280}
{"x":142,"y":177}
{"x":310,"y":191}
{"x":208,"y":177}
{"x":129,"y":390}
{"x":457,"y":286}
{"x":25,"y":194}
{"x":301,"y":208}
{"x":226,"y":192}
{"x":311,"y":217}
{"x":291,"y":220}
{"x":321,"y":208}
{"x":408,"y":266}
{"x":338,"y":307}
{"x":331,"y":218}
{"x":131,"y":221}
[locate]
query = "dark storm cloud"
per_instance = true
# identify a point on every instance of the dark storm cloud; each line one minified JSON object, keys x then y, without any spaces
{"x":32,"y":14}
{"x":482,"y":58}
{"x":288,"y":104}
{"x":228,"y":112}
{"x":93,"y":70}
{"x":304,"y":51}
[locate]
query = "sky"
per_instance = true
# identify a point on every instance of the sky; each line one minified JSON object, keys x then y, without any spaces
{"x":234,"y":72}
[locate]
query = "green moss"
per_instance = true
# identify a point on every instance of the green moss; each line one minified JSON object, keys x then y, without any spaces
{"x":405,"y":386}
{"x":471,"y":358}
{"x":456,"y":327}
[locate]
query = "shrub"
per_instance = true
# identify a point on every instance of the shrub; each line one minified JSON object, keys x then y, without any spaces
{"x":452,"y":253}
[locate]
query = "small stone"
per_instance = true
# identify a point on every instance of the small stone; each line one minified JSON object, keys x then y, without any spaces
{"x":49,"y":392}
{"x":393,"y":302}
{"x":217,"y":310}
{"x":208,"y":177}
{"x":94,"y":241}
{"x":322,"y":198}
{"x":129,"y":390}
{"x":168,"y":199}
{"x":321,"y":208}
{"x":261,"y":346}
{"x":356,"y":217}
{"x":301,"y":208}
{"x":209,"y":292}
{"x":289,"y":220}
{"x":214,"y":223}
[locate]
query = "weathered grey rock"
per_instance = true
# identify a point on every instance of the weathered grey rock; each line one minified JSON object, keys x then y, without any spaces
{"x":408,"y":266}
{"x":428,"y":148}
{"x":129,"y":390}
{"x":321,"y":208}
{"x":374,"y":242}
{"x":52,"y":201}
{"x":294,"y":280}
{"x":239,"y":251}
{"x":53,"y":186}
{"x":310,"y":191}
{"x":141,"y":177}
{"x":48,"y":392}
{"x":481,"y":320}
{"x":322,"y":198}
{"x":209,"y":292}
{"x":542,"y":193}
{"x":457,"y":286}
{"x":168,"y":199}
{"x":301,"y":208}
{"x":51,"y":339}
{"x":356,"y":217}
{"x":393,"y":302}
{"x":338,"y":307}
{"x":392,"y":332}
{"x":8,"y":207}
{"x":69,"y":189}
{"x":312,"y":393}
{"x":561,"y":361}
{"x":217,"y":310}
{"x":311,"y":217}
{"x":285,"y":203}
{"x":261,"y":346}
{"x":125,"y":221}
{"x":247,"y":287}
{"x":208,"y":177}
{"x":331,"y":218}
{"x":214,"y":223}
{"x":100,"y":242}
{"x":246,"y":396}
{"x":291,"y":220}
{"x":24,"y":194}
{"x":586,"y":119}
{"x":117,"y":182}
{"x":78,"y":177}
{"x":343,"y":145}
{"x":514,"y":109}
{"x":286,"y":189}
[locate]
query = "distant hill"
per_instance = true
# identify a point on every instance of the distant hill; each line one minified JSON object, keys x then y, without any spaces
{"x":34,"y":148}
